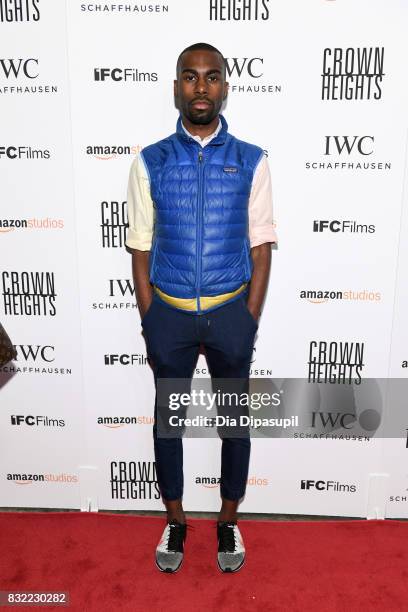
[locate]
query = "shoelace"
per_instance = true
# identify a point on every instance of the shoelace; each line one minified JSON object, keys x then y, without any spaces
{"x":227,"y":539}
{"x":175,"y":536}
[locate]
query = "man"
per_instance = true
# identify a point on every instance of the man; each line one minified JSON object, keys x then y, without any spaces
{"x":200,"y":228}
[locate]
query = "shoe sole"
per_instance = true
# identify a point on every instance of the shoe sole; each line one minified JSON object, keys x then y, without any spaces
{"x":168,"y":570}
{"x":228,"y":570}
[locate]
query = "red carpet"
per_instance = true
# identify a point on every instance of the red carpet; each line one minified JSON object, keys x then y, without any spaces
{"x":106,"y":563}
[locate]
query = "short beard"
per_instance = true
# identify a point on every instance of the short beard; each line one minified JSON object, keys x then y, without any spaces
{"x":204,"y":118}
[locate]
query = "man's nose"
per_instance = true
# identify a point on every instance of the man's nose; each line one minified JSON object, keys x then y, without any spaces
{"x":201,"y":84}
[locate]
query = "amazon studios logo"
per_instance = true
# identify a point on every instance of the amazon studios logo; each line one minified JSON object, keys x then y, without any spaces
{"x":29,"y":294}
{"x":348,"y":153}
{"x":18,"y":10}
{"x":211,"y":482}
{"x":116,"y":422}
{"x":134,"y":480}
{"x":352,"y":73}
{"x":322,"y":297}
{"x":246,"y":75}
{"x":20,"y":74}
{"x":239,"y":10}
{"x":114,"y":223}
{"x":118,"y":290}
{"x":25,"y":478}
{"x":327,"y":486}
{"x":107,"y":152}
{"x":9,"y":225}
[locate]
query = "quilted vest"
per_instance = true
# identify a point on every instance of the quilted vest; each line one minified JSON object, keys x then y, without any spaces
{"x":200,"y":241}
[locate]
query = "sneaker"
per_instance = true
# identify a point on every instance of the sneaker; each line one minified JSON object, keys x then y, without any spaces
{"x":170,"y":549}
{"x":231,"y":550}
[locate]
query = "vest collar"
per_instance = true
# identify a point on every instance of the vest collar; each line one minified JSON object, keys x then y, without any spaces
{"x":218,"y":140}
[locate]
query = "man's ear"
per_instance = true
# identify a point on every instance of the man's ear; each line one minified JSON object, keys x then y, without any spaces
{"x":175,"y":88}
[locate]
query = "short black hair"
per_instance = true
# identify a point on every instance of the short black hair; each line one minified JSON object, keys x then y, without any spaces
{"x":201,"y":47}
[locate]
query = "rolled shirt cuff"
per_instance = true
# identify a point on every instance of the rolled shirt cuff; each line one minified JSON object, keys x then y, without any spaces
{"x":261,"y":234}
{"x":139,"y":240}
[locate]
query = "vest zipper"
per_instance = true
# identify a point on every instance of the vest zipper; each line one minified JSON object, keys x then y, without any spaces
{"x":199,"y":225}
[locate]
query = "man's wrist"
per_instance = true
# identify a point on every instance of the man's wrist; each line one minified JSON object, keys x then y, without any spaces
{"x":255,"y":314}
{"x":144,"y":304}
{"x":254,"y":310}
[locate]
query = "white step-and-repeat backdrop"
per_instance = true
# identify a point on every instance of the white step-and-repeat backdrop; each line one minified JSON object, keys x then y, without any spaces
{"x":322,"y":86}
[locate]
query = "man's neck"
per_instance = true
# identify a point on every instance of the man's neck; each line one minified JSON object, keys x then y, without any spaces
{"x":201,"y":130}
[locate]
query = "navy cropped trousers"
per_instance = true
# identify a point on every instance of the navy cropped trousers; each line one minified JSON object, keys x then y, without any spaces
{"x":173,"y":338}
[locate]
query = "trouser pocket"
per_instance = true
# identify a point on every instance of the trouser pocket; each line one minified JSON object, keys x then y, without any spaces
{"x":147,"y":313}
{"x":248,"y":312}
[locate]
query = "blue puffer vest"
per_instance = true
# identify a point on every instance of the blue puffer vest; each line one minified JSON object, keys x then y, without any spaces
{"x":200,"y":243}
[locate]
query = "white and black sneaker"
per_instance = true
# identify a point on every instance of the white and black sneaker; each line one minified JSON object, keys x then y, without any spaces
{"x":231,"y":550}
{"x":170,"y":549}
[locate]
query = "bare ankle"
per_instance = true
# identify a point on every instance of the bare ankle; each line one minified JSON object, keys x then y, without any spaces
{"x":227,"y":518}
{"x":175,"y":511}
{"x":176,"y":516}
{"x":228,"y":512}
